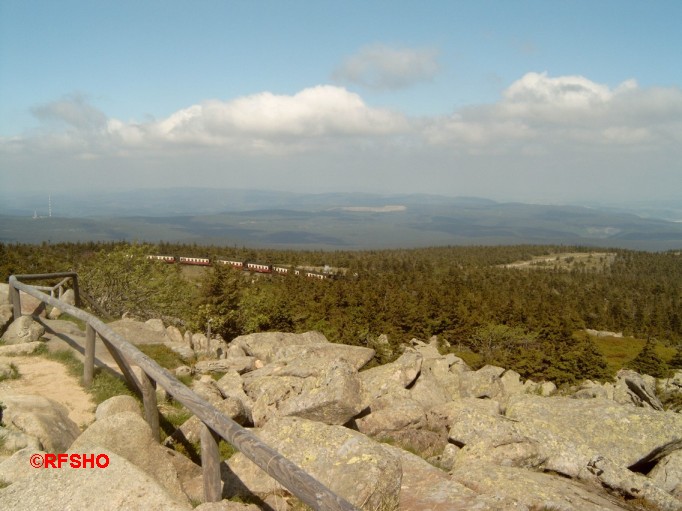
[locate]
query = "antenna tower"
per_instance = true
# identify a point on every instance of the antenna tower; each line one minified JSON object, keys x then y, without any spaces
{"x":49,"y":206}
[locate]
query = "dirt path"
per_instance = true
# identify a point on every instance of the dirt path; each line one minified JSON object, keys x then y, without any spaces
{"x":52,"y":380}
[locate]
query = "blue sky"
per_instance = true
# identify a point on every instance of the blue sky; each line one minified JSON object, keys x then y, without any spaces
{"x":544,"y":101}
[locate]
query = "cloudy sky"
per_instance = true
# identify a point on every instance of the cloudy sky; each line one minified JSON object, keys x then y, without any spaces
{"x":537,"y":100}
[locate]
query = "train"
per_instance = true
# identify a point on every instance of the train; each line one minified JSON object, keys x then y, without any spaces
{"x":243,"y":266}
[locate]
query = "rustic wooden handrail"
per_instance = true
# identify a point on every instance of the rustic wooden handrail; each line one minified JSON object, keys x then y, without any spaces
{"x":216,"y":425}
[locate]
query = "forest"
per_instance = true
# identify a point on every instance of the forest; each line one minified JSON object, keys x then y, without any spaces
{"x":531,"y":318}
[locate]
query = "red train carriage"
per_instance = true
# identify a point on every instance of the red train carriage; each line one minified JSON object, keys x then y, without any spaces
{"x":235,"y":264}
{"x":280,"y":269}
{"x":200,"y":261}
{"x":260,"y":268}
{"x":164,"y":258}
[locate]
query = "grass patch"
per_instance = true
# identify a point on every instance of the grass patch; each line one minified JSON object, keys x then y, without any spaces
{"x":618,"y":351}
{"x":163,"y":355}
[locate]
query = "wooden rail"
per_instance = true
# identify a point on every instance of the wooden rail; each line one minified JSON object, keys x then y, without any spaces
{"x":215,"y":424}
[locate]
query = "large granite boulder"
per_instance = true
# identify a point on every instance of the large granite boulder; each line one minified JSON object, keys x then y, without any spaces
{"x":42,"y":418}
{"x":637,"y":389}
{"x":23,"y":330}
{"x":121,"y":485}
{"x":333,"y":397}
{"x":117,"y":404}
{"x":129,"y":436}
{"x":626,"y":435}
{"x":69,"y":297}
{"x":426,"y":487}
{"x":527,"y":489}
{"x":347,"y":462}
{"x":381,"y":380}
{"x":6,"y":317}
{"x":138,"y":332}
{"x":264,"y":345}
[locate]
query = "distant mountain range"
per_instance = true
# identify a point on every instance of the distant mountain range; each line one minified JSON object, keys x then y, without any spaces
{"x":333,"y":220}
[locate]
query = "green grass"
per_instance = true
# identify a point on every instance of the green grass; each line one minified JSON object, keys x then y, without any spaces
{"x":618,"y":351}
{"x":163,"y":355}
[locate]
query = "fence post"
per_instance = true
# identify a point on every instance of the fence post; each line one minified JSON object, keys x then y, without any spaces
{"x":16,"y":301}
{"x":210,"y":465}
{"x":89,"y":362}
{"x":76,"y":290}
{"x":151,"y":412}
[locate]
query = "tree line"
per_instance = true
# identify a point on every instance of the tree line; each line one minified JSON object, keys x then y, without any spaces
{"x":524,"y":319}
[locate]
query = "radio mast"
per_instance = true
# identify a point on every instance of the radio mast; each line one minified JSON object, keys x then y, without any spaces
{"x":49,"y":206}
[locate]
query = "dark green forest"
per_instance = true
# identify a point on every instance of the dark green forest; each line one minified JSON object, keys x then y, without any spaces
{"x":530,"y":318}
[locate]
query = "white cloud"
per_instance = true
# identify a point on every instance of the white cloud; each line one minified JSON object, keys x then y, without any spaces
{"x":385,"y":68}
{"x":323,"y":111}
{"x":564,"y":111}
{"x":545,"y":133}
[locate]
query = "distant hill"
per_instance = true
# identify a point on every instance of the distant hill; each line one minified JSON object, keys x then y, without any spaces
{"x":329,"y":221}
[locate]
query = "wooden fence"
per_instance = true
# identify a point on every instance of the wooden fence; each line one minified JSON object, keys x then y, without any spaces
{"x":215,"y":424}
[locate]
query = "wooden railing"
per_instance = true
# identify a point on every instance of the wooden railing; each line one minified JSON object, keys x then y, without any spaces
{"x":215,"y":424}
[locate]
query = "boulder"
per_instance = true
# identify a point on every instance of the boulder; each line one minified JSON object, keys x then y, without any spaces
{"x":129,"y":436}
{"x":137,"y":332}
{"x":181,"y":349}
{"x":667,"y":474}
{"x":121,"y":485}
{"x":12,"y":441}
{"x":6,"y":317}
{"x":527,"y":489}
{"x":386,"y":378}
{"x":117,"y":404}
{"x":264,"y":345}
{"x":69,"y":297}
{"x":590,"y":390}
{"x":207,"y":388}
{"x":334,"y":397}
{"x":441,"y":418}
{"x":18,"y":466}
{"x":484,"y":383}
{"x":398,"y":419}
{"x":42,"y":418}
{"x":625,"y":435}
{"x":31,"y":306}
{"x":347,"y":462}
{"x":232,"y":386}
{"x":175,"y":335}
{"x":604,"y":472}
{"x":239,"y":364}
{"x":356,"y":356}
{"x":22,"y":330}
{"x":637,"y":389}
{"x":436,"y":383}
{"x":426,"y":487}
{"x":156,"y":324}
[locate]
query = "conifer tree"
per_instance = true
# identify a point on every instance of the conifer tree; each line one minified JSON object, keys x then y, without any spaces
{"x":648,"y":362}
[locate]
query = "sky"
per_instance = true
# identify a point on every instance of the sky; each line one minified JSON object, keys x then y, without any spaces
{"x":543,"y":101}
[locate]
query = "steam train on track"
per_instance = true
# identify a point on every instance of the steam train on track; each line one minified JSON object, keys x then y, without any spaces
{"x":243,"y":266}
